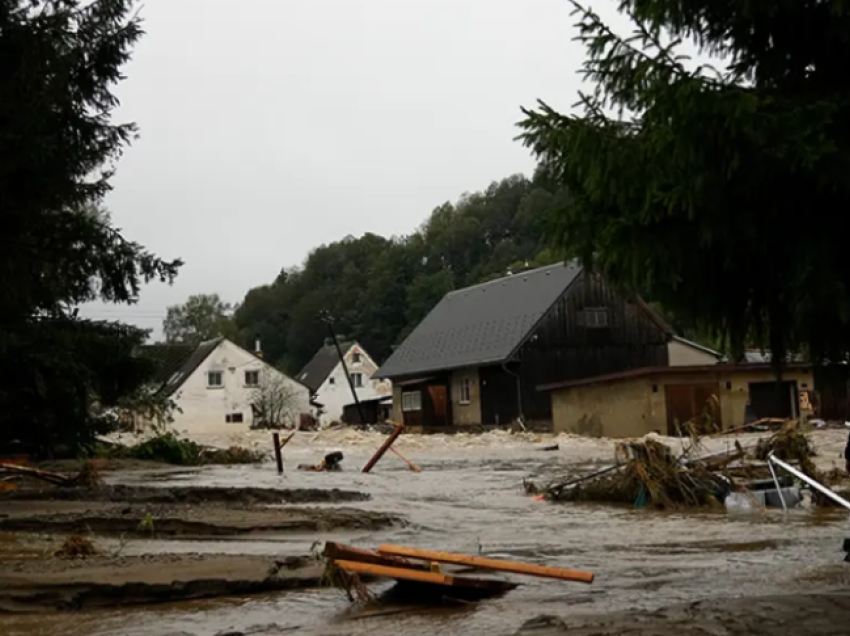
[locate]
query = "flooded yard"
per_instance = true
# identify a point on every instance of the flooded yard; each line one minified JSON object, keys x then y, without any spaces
{"x":469,"y":498}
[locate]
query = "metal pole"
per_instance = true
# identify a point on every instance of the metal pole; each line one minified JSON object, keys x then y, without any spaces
{"x":804,"y":477}
{"x":329,"y":321}
{"x":776,"y":483}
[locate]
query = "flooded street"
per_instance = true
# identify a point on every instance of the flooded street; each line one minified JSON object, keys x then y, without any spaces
{"x":469,"y":498}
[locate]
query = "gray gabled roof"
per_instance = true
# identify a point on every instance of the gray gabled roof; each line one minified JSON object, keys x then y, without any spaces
{"x":176,"y":362}
{"x":482,"y":324}
{"x":321,"y":365}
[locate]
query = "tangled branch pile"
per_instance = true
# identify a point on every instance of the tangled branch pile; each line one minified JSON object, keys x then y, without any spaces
{"x":649,"y":475}
{"x":791,"y":444}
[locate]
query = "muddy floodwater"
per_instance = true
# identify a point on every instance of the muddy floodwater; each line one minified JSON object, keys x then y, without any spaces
{"x":469,"y":498}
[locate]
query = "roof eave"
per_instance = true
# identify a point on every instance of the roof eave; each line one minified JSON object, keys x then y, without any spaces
{"x":452,"y":367}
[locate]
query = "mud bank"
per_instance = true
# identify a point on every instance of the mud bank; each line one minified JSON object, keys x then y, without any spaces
{"x":188,"y":495}
{"x":825,"y":614}
{"x":57,"y":585}
{"x":180,"y":521}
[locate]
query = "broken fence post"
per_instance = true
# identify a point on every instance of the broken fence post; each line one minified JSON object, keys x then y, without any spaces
{"x":277,"y":454}
{"x":384,"y":447}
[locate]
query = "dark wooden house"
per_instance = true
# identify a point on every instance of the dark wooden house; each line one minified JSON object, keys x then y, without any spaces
{"x":479,"y":356}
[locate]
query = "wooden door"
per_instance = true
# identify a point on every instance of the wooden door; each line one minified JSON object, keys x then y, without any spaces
{"x":690,"y":402}
{"x":439,"y":404}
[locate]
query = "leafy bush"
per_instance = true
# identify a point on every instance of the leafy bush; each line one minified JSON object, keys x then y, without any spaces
{"x":169,"y":449}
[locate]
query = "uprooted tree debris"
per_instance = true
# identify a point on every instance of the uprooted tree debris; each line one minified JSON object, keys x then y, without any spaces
{"x":648,"y":473}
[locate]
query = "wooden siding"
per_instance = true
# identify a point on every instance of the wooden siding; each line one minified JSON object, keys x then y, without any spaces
{"x":562,"y":348}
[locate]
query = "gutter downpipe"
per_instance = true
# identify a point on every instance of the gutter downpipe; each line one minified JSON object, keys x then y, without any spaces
{"x":521,"y":416}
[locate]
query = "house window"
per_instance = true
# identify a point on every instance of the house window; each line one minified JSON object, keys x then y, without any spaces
{"x":465,"y":391}
{"x":252,"y":378}
{"x":411,"y":401}
{"x":595,"y":317}
{"x":357,"y":380}
{"x":355,"y":357}
{"x":331,"y":380}
{"x":215,"y":379}
{"x":233,"y":418}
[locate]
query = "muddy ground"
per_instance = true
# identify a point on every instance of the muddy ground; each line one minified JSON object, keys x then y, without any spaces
{"x":185,"y":512}
{"x":188,"y":495}
{"x":800,"y":615}
{"x":31,"y":582}
{"x":37,"y":585}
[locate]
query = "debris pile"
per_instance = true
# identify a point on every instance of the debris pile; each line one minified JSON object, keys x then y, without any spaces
{"x":76,"y":547}
{"x":647,"y":475}
{"x":421,"y":575}
{"x":791,"y":444}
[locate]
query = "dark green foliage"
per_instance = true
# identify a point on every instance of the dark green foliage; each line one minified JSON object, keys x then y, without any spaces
{"x":202,"y":317}
{"x":720,"y":194}
{"x":60,"y":59}
{"x":378,"y":289}
{"x":170,"y":449}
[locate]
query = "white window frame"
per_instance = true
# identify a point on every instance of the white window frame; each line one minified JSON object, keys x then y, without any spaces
{"x":215,"y":385}
{"x":356,"y":358}
{"x":358,"y":383}
{"x":411,"y":401}
{"x":253,"y":374}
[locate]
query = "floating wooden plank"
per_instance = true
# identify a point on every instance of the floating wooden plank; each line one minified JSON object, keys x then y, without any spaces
{"x":528,"y":569}
{"x":418,"y":576}
{"x":340,"y":552}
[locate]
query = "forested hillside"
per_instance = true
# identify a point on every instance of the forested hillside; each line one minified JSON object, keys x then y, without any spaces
{"x":378,"y":289}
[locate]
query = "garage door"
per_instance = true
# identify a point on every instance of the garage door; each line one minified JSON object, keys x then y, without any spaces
{"x":687,"y":402}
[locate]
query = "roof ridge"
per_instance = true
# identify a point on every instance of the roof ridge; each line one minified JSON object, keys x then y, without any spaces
{"x":535,"y":271}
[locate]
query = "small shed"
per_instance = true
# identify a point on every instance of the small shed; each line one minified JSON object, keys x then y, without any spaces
{"x":634,"y":403}
{"x":375,"y":410}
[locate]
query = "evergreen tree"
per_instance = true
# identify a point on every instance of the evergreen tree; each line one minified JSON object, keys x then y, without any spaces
{"x":60,"y":60}
{"x":719,"y":193}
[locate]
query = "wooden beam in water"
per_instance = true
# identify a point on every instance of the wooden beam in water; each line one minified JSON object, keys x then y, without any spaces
{"x":432,"y":578}
{"x":340,"y":552}
{"x":384,"y":447}
{"x":483,"y":563}
{"x":410,"y":464}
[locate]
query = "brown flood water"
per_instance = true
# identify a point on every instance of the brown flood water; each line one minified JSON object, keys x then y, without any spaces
{"x":469,"y":499}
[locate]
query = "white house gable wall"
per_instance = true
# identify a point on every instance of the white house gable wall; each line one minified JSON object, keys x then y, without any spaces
{"x":217,"y":396}
{"x":335,"y":392}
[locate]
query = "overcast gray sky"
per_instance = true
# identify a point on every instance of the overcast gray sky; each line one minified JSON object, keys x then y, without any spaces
{"x":269,"y":127}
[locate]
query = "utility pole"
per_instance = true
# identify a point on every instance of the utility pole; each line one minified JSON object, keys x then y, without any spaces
{"x":328,"y":320}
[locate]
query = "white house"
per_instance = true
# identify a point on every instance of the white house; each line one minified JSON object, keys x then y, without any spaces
{"x":218,"y":385}
{"x":325,"y":376}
